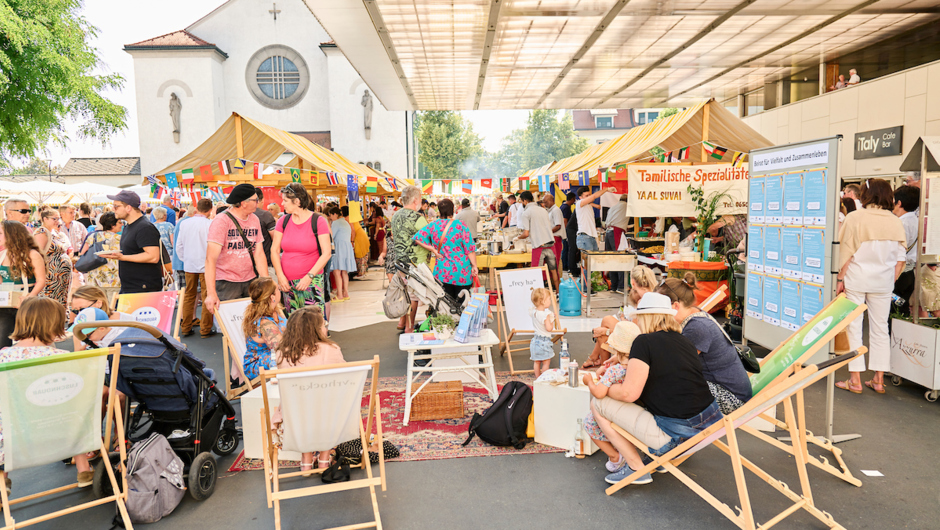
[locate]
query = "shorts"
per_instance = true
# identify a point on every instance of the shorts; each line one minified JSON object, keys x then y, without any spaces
{"x":544,"y":255}
{"x":540,"y":348}
{"x":227,"y":290}
{"x":586,"y":242}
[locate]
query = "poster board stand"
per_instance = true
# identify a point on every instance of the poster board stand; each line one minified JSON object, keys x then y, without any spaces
{"x":514,"y":312}
{"x":229,"y":317}
{"x":155,"y":309}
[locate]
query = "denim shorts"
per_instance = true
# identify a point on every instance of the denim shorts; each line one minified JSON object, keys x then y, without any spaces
{"x":540,"y":348}
{"x":586,"y":242}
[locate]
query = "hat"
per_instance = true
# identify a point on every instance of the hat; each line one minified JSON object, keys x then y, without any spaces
{"x":89,"y":314}
{"x":655,"y":304}
{"x":127,"y":197}
{"x":621,"y":339}
{"x":240,"y":193}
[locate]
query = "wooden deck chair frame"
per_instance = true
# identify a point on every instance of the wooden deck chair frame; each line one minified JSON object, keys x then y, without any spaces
{"x":176,"y":322}
{"x":272,"y":474}
{"x":506,"y":335}
{"x":119,"y":498}
{"x":714,"y":299}
{"x":229,"y":357}
{"x":779,"y":392}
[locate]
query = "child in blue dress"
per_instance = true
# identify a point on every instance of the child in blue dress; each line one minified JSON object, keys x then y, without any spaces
{"x":543,"y":322}
{"x":263,"y":323}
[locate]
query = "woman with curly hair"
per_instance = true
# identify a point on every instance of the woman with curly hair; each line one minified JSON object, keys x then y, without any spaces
{"x":21,"y":267}
{"x":263,"y":323}
{"x":58,"y":265}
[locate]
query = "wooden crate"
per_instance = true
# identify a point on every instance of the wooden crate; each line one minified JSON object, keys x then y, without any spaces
{"x":438,"y":401}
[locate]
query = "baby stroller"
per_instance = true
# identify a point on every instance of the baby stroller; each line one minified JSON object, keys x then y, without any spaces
{"x":424,"y":286}
{"x":175,"y":396}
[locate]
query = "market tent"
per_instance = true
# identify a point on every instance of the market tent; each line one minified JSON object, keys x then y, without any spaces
{"x":85,"y":191}
{"x":38,"y":191}
{"x":913,"y":160}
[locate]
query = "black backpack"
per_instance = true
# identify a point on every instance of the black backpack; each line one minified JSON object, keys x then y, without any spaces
{"x":505,"y":422}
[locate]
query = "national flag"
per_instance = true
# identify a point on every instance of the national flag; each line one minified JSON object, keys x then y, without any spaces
{"x":668,"y":156}
{"x":171,"y":181}
{"x":225,"y":168}
{"x":445,"y":185}
{"x":427,"y":186}
{"x":152,"y":179}
{"x":205,"y":173}
{"x":372,"y":184}
{"x":352,"y":188}
{"x":544,"y":183}
{"x":239,"y":163}
{"x":466,"y":186}
{"x":450,"y":186}
{"x":279,"y":170}
{"x":193,"y":196}
{"x":331,"y":178}
{"x":258,"y":171}
{"x":504,"y":184}
{"x":652,"y":160}
{"x":187,"y":176}
{"x":738,"y":159}
{"x":584,"y":178}
{"x":564,"y":182}
{"x":487,"y":183}
{"x":294,"y":174}
{"x":523,"y":183}
{"x":391,"y":183}
{"x":603,"y":175}
{"x":683,"y":154}
{"x":620,"y":172}
{"x":559,"y":196}
{"x":716,"y":151}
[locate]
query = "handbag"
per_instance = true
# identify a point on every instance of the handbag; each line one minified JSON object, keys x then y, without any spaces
{"x":90,"y":260}
{"x":351,"y":451}
{"x":166,"y":267}
{"x":745,"y":353}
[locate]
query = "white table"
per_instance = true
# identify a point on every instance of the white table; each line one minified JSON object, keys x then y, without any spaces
{"x":251,"y":422}
{"x":450,"y":349}
{"x":557,"y":410}
{"x":606,"y":262}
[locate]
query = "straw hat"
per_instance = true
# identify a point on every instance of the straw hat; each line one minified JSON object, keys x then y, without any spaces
{"x":655,"y":304}
{"x":622,"y":337}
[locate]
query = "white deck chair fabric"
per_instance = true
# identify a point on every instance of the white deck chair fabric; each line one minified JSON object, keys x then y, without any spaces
{"x":320,"y":410}
{"x":51,"y":410}
{"x":230,"y":316}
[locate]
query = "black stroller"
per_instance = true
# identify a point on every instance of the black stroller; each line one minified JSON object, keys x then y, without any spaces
{"x":175,"y":396}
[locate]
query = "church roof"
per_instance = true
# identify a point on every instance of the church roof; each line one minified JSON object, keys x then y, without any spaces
{"x":101,"y":166}
{"x":176,"y":40}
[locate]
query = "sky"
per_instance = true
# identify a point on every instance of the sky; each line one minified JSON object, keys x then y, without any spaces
{"x":121,"y":22}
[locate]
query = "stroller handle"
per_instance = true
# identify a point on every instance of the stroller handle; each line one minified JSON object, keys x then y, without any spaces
{"x":80,"y":334}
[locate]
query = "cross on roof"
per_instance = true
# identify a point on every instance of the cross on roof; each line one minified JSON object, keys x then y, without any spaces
{"x":274,"y":11}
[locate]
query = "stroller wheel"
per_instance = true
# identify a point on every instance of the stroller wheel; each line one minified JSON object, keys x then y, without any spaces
{"x":202,"y":475}
{"x":101,"y":484}
{"x":226,"y":443}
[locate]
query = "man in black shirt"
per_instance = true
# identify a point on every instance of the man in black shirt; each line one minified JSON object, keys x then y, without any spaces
{"x":571,"y":256}
{"x":267,"y":226}
{"x":502,"y":210}
{"x":139,"y":258}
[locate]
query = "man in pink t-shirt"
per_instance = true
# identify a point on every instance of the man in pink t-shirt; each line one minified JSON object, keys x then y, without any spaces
{"x":230,"y":266}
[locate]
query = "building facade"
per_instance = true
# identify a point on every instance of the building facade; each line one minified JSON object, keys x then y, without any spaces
{"x":110,"y":171}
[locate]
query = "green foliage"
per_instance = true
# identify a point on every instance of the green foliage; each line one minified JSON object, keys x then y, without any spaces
{"x":35,"y":166}
{"x":597,"y":282}
{"x":668,"y":112}
{"x":46,"y":78}
{"x":446,"y":143}
{"x":545,"y":139}
{"x":443,"y":321}
{"x":705,"y":208}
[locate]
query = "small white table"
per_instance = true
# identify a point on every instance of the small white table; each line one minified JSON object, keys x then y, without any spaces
{"x":450,"y":349}
{"x":557,"y":410}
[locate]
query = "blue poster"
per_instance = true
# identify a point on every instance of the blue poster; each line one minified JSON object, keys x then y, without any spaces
{"x":790,"y":316}
{"x":756,"y":198}
{"x":755,"y":288}
{"x":773,"y":199}
{"x":793,"y":198}
{"x":815,"y":197}
{"x":814,"y":255}
{"x":755,"y":248}
{"x":792,"y":245}
{"x":812,"y":301}
{"x":773,"y":262}
{"x":772,"y":301}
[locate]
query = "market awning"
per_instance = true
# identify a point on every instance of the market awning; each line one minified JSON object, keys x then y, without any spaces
{"x":912,"y":162}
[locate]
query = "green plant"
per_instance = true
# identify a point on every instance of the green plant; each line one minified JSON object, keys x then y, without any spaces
{"x":597,"y":282}
{"x":442,"y":321}
{"x":705,"y":212}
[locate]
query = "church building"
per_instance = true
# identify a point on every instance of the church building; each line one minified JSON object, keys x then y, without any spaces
{"x":272,"y":62}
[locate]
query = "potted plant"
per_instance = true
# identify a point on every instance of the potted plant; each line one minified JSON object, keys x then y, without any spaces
{"x":443,"y":326}
{"x":705,"y":213}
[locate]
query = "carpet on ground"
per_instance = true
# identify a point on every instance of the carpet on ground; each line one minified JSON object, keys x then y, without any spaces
{"x":427,"y":440}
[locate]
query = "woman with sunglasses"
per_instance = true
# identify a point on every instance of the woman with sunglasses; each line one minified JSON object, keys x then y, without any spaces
{"x":21,"y":267}
{"x":55,"y":249}
{"x":298,"y":256}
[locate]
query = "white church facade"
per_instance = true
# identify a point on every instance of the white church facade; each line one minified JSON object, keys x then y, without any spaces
{"x":272,"y":62}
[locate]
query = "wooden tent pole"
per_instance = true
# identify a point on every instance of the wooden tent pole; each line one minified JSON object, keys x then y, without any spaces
{"x":705,"y":117}
{"x":239,"y":141}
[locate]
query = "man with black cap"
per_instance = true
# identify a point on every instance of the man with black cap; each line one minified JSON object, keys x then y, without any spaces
{"x":235,"y":255}
{"x":139,"y":258}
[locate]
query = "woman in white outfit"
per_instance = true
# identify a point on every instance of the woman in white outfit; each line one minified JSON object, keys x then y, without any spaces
{"x":872,"y":255}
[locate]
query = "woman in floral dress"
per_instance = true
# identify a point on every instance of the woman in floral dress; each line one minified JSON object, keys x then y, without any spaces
{"x":452,"y":246}
{"x":105,"y":276}
{"x":58,"y":264}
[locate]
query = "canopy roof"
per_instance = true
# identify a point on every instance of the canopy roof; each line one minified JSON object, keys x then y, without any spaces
{"x":245,"y":138}
{"x":705,"y":120}
{"x":912,"y":162}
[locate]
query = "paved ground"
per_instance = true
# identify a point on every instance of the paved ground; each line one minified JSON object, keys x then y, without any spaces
{"x":899,"y":438}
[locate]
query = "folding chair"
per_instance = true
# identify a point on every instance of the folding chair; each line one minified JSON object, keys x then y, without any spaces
{"x":321,"y":408}
{"x":714,"y":299}
{"x":164,"y":302}
{"x":51,"y":410}
{"x":229,"y":316}
{"x":513,"y":321}
{"x":781,"y":392}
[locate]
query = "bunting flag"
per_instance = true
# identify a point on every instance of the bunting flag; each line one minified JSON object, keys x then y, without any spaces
{"x":187,"y":176}
{"x":258,"y":172}
{"x":171,"y":181}
{"x":279,"y":170}
{"x":224,"y":168}
{"x":427,"y":186}
{"x":445,"y":186}
{"x":239,"y":163}
{"x":584,"y":178}
{"x":352,"y":188}
{"x":559,"y":196}
{"x":294,"y":175}
{"x":668,"y":157}
{"x":603,"y":175}
{"x":683,"y":154}
{"x":372,"y":184}
{"x":152,"y":179}
{"x":544,"y":184}
{"x":523,"y":183}
{"x":487,"y":183}
{"x":331,"y":178}
{"x":563,"y":181}
{"x":716,"y":152}
{"x":738,"y":159}
{"x":193,"y":196}
{"x":466,"y":186}
{"x":653,"y":159}
{"x":205,"y":173}
{"x":620,"y":172}
{"x":450,"y":186}
{"x":391,"y":183}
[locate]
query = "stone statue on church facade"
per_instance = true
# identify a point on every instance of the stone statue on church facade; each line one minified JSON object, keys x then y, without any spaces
{"x":367,"y":113}
{"x":175,"y":107}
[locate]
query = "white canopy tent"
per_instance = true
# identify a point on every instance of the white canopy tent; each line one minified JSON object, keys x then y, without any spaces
{"x":87,"y":191}
{"x":38,"y":191}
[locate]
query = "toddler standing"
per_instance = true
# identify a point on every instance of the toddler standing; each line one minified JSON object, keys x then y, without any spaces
{"x":543,"y":322}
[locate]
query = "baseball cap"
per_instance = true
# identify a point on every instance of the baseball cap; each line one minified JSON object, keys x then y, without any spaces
{"x":89,"y":314}
{"x":127,"y":197}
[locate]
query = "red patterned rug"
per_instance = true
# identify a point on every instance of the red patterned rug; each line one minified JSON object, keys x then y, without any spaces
{"x":428,"y":440}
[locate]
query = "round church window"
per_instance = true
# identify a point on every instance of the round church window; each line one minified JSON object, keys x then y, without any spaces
{"x":277,"y":77}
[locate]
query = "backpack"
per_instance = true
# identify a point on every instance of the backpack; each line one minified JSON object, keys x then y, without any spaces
{"x":154,"y":480}
{"x":396,"y":303}
{"x":505,"y":422}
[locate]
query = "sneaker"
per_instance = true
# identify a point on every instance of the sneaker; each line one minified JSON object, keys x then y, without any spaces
{"x":85,"y":478}
{"x":613,"y":467}
{"x":648,"y":460}
{"x":614,"y":478}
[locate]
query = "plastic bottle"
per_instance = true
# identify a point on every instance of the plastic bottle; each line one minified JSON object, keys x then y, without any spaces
{"x":898,"y":301}
{"x":579,"y":440}
{"x":564,"y":358}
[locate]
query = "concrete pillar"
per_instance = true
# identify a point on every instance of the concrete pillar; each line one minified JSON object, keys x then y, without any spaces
{"x":822,"y":78}
{"x":741,"y":108}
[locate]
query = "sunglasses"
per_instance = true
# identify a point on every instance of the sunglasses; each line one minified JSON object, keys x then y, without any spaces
{"x":75,"y":311}
{"x":21,"y":210}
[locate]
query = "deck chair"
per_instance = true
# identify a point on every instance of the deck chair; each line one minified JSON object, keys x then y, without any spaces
{"x":154,"y":309}
{"x":51,"y":410}
{"x":512,"y":308}
{"x":781,"y":392}
{"x":714,"y":299}
{"x":332,"y":394}
{"x":229,"y":316}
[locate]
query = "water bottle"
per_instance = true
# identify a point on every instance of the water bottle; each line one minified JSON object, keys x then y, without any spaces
{"x":564,"y":358}
{"x":898,"y":301}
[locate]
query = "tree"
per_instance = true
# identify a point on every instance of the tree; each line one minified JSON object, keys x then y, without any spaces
{"x":447,"y":145}
{"x":657,"y":150}
{"x":545,"y":139}
{"x":35,"y":166}
{"x":47,"y":79}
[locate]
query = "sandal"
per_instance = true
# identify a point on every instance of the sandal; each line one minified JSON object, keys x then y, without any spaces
{"x":871,"y":384}
{"x":591,"y":363}
{"x":846,"y":385}
{"x":323,"y":464}
{"x":306,"y":467}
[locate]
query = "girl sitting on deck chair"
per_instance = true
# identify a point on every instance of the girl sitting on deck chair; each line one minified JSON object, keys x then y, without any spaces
{"x":262,"y":326}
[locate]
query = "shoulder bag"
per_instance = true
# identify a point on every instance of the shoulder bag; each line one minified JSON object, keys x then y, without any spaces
{"x":748,"y":359}
{"x":248,"y":245}
{"x":90,"y":260}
